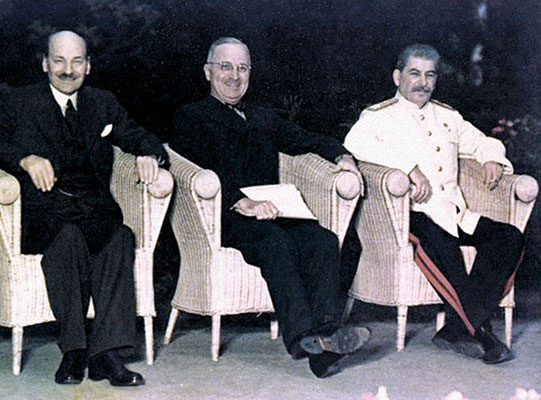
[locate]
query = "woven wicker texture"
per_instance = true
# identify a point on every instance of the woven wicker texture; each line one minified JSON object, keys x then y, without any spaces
{"x":23,"y":295}
{"x":386,"y":273}
{"x":216,"y":281}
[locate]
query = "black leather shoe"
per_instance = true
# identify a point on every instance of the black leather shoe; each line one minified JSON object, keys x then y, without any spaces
{"x":296,"y":351}
{"x":495,"y":350}
{"x":72,"y":368}
{"x":108,"y":365}
{"x":325,"y":364}
{"x":460,"y":343}
{"x":343,"y":341}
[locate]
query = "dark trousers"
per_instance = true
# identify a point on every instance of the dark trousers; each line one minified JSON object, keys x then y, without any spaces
{"x":87,"y":251}
{"x":499,"y":248}
{"x":299,"y":260}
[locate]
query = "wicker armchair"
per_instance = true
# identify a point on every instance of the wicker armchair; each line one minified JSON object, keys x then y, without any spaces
{"x":387,"y":274}
{"x":215,"y":280}
{"x":23,"y":294}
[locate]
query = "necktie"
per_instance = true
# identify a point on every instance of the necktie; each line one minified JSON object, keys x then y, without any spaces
{"x":71,"y":116}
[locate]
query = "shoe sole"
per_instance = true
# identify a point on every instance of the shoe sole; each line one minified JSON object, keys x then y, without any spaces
{"x":94,"y":377}
{"x":68,"y":382}
{"x":508,"y":357}
{"x":470,"y":350}
{"x":343,"y":341}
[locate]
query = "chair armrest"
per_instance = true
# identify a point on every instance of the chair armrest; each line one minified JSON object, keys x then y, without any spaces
{"x":10,"y":215}
{"x":196,"y":210}
{"x":331,"y":194}
{"x":143,"y":206}
{"x":511,"y":202}
{"x":383,"y":217}
{"x":10,"y":190}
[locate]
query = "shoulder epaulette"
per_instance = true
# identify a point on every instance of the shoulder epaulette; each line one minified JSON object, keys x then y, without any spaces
{"x":439,"y":103}
{"x":383,"y":104}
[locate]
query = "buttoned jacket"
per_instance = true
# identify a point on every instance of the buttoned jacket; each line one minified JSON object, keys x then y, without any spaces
{"x":399,"y":134}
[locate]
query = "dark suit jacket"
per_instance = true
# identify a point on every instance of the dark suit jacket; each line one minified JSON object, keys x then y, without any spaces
{"x":242,"y":153}
{"x":31,"y":122}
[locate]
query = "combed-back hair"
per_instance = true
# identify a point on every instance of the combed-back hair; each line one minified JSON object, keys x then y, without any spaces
{"x":224,"y":40}
{"x":420,"y":51}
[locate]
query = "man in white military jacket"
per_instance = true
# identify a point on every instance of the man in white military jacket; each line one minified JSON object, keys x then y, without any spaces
{"x":424,"y":138}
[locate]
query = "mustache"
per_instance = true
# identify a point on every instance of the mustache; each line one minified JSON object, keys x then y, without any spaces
{"x":423,"y":89}
{"x":65,"y":76}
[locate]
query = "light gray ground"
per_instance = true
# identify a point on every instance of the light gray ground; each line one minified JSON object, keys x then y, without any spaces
{"x":254,"y":367}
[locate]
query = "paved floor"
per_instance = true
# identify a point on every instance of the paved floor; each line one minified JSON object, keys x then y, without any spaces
{"x":254,"y":367}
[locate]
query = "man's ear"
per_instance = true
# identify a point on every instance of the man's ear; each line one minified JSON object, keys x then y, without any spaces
{"x":44,"y":66}
{"x":206,"y":68}
{"x":396,"y":77}
{"x":87,"y":66}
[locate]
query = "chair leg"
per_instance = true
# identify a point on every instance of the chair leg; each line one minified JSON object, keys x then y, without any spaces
{"x":170,"y":326}
{"x":274,"y":329}
{"x":17,"y":344}
{"x":508,"y":325}
{"x":401,"y":332}
{"x":440,"y":320}
{"x":149,"y":339}
{"x":347,"y":310}
{"x":215,"y":342}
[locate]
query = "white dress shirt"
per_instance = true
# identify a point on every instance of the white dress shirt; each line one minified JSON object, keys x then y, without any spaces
{"x":62,"y":99}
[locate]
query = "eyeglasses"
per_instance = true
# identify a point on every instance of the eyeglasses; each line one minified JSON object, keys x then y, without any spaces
{"x":226,"y":66}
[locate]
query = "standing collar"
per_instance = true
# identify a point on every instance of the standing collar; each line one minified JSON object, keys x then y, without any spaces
{"x":408,"y":104}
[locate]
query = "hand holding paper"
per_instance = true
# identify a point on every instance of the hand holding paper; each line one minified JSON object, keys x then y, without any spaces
{"x":284,"y":197}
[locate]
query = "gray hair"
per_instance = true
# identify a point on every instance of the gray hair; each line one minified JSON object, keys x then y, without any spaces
{"x":420,"y":51}
{"x":224,"y":40}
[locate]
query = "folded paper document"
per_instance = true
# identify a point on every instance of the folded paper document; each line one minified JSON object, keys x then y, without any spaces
{"x":285,"y":196}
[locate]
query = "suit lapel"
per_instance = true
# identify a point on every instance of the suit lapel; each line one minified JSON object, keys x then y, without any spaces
{"x":222,"y":114}
{"x":50,"y":116}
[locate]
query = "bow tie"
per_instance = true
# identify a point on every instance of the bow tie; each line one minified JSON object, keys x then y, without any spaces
{"x":239,"y":106}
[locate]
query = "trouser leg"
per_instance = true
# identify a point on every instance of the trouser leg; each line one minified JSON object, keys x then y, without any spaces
{"x":459,"y":293}
{"x":295,"y":259}
{"x":64,"y":265}
{"x":271,"y":248}
{"x":319,"y":268}
{"x":499,"y":248}
{"x":113,"y":293}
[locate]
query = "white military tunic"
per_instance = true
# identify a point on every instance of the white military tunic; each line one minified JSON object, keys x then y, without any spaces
{"x":399,"y":134}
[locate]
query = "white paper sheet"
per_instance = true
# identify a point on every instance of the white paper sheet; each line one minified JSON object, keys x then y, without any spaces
{"x":285,"y":196}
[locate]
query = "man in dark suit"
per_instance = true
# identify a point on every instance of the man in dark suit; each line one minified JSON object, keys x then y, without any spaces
{"x":56,"y":138}
{"x":298,"y":259}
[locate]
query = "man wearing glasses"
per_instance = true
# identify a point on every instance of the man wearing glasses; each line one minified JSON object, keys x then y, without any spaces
{"x":298,"y":258}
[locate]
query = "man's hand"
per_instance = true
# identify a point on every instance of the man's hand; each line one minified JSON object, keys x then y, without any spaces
{"x":258,"y":209}
{"x":492,"y":173}
{"x":40,"y":170}
{"x":423,"y":189}
{"x":347,"y":163}
{"x":147,"y":168}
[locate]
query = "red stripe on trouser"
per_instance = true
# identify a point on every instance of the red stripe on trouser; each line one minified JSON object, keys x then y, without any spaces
{"x":439,"y":281}
{"x":511,"y":280}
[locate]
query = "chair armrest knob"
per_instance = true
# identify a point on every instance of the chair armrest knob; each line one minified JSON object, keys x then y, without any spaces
{"x":163,"y":186}
{"x":206,"y":184}
{"x":526,"y":189}
{"x":348,"y":185}
{"x":9,"y":189}
{"x":398,"y":183}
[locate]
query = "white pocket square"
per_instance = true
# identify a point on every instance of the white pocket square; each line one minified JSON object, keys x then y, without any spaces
{"x":107,"y":130}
